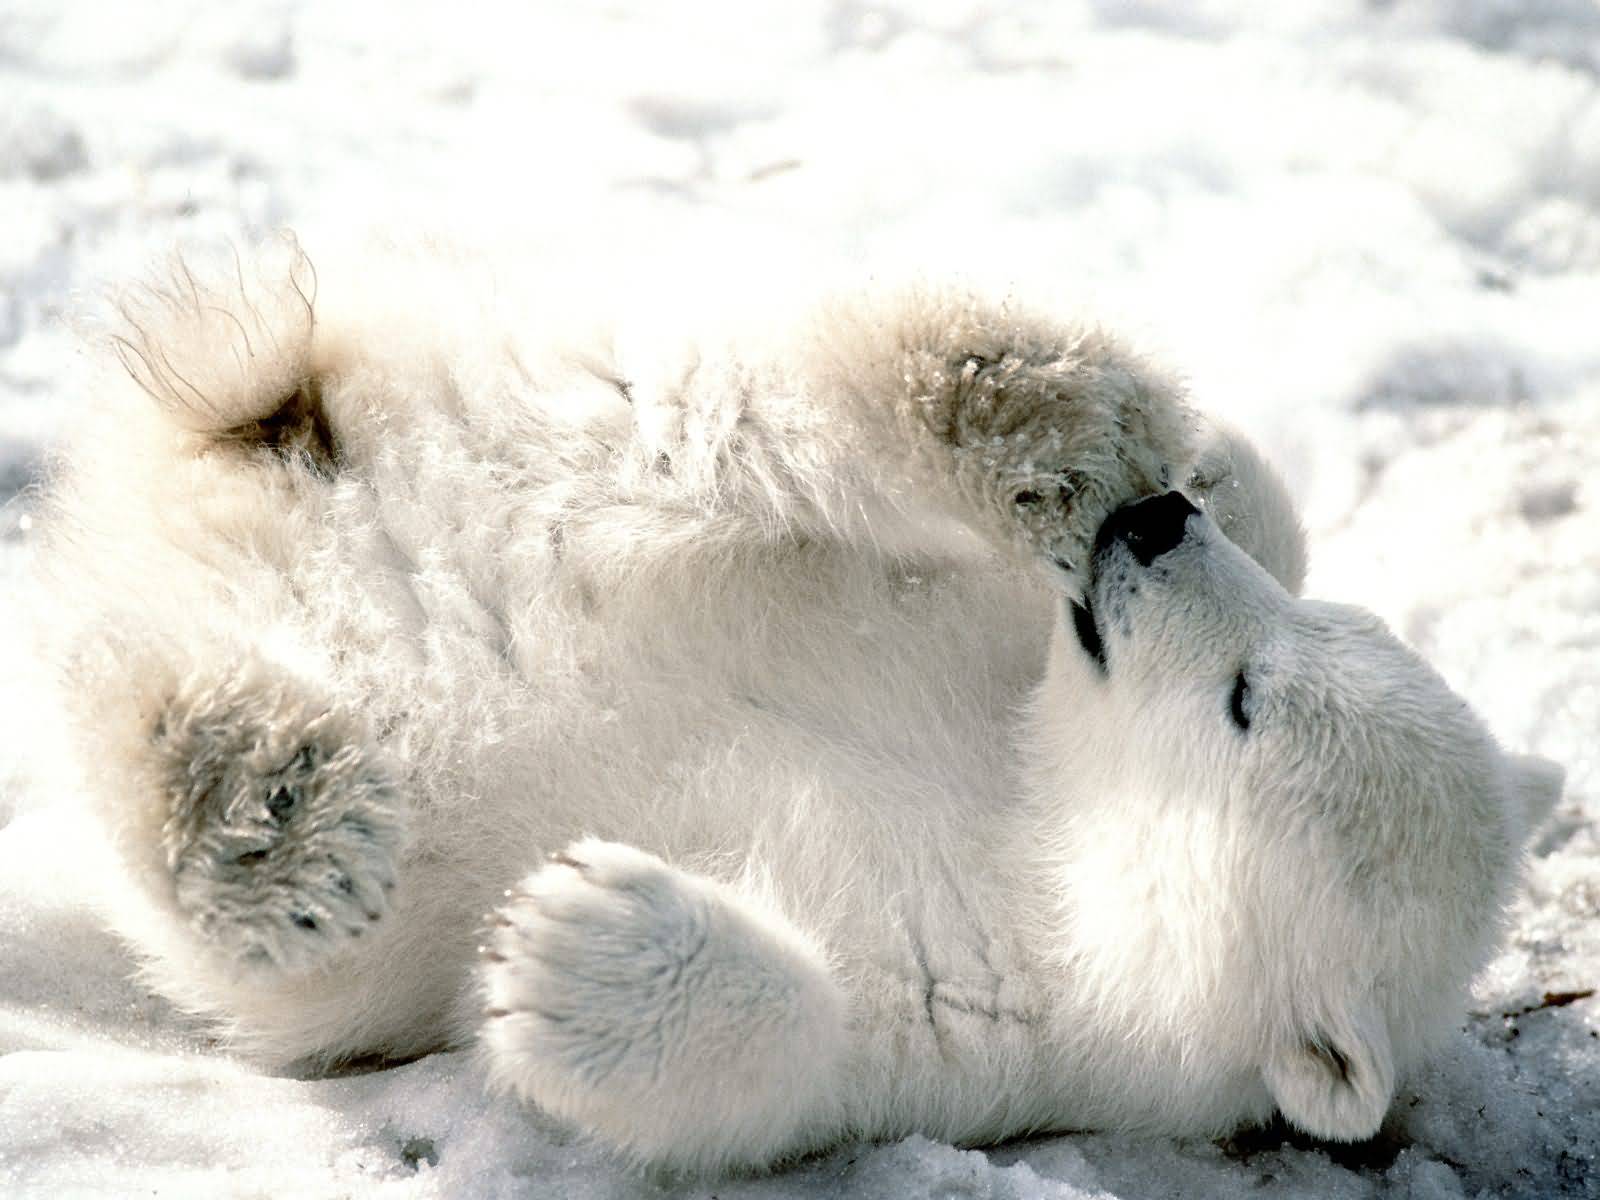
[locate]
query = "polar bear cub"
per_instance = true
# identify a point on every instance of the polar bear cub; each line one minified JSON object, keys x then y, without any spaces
{"x":903,"y":720}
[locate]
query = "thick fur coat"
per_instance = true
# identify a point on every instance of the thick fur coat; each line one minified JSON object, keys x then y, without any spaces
{"x":756,"y":737}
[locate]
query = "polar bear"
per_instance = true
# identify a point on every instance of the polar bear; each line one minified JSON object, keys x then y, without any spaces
{"x":902,"y":721}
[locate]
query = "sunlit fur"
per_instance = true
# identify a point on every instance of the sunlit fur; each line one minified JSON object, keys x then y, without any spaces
{"x":361,"y":608}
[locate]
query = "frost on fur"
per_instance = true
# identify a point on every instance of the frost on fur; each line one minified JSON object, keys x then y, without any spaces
{"x":925,"y":763}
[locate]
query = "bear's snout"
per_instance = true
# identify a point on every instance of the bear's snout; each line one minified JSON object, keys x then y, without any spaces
{"x":1148,"y":528}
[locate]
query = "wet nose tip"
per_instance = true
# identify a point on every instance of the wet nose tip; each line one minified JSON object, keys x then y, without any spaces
{"x":1149,"y":527}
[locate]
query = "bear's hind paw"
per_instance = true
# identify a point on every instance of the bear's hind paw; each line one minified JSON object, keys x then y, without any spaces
{"x":283,"y":832}
{"x":660,"y":1010}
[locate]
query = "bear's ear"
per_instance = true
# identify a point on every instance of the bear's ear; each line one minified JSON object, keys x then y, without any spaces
{"x":1535,"y":785}
{"x":1337,"y":1081}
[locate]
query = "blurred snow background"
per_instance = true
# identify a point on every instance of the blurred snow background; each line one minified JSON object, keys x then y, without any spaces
{"x":1369,"y":231}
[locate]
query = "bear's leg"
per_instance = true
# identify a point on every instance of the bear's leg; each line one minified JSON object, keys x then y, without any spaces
{"x":679,"y":1021}
{"x":271,"y":824}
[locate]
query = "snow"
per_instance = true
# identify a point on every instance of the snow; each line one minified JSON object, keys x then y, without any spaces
{"x":1369,"y":231}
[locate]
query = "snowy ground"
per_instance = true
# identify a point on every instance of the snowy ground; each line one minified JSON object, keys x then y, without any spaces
{"x":1369,"y":231}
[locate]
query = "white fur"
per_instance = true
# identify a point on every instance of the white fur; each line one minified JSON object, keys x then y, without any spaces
{"x":765,"y":635}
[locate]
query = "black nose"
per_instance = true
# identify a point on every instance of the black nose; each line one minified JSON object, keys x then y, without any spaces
{"x":1149,"y":527}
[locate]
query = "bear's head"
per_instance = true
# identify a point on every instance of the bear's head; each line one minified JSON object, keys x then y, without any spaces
{"x":1290,"y":834}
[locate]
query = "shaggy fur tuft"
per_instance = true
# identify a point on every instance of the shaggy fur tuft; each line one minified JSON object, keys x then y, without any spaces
{"x":222,"y":344}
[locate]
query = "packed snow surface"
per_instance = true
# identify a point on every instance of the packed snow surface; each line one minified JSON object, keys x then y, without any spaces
{"x":1368,"y":231}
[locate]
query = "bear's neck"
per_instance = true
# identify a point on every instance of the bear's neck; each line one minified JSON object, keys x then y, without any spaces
{"x":1126,"y":887}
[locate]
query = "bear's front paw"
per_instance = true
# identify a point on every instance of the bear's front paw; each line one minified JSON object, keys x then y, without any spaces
{"x":659,"y":1009}
{"x":1046,"y":428}
{"x":283,"y":833}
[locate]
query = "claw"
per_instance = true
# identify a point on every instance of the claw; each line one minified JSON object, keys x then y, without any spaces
{"x":280,"y":804}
